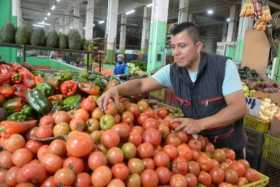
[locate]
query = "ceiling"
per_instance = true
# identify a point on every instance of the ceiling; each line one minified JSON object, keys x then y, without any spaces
{"x":34,"y":11}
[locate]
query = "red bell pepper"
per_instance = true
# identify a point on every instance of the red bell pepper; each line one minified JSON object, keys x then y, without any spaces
{"x":6,"y":90}
{"x":8,"y":128}
{"x":28,"y":80}
{"x":16,"y":77}
{"x":5,"y":78}
{"x":68,"y":88}
{"x":20,"y":90}
{"x":38,"y":79}
{"x":89,"y":88}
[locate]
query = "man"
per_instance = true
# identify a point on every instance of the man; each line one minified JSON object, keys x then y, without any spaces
{"x":207,"y":87}
{"x":121,"y":67}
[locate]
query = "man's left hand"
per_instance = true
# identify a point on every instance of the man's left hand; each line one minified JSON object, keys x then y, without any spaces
{"x":190,"y":126}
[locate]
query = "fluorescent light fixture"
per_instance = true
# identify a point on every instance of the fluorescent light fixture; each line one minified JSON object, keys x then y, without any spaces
{"x":210,"y":11}
{"x":149,"y":5}
{"x":53,"y":7}
{"x":57,"y":0}
{"x":130,"y":12}
{"x":37,"y":25}
{"x":48,"y":14}
{"x":101,"y":22}
{"x":45,"y":18}
{"x":44,"y":23}
{"x":71,"y":27}
{"x":228,"y":19}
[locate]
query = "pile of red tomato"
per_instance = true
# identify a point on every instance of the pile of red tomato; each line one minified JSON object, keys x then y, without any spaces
{"x":131,"y":145}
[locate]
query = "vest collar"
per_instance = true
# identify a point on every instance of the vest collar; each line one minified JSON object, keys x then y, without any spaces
{"x":184,"y":74}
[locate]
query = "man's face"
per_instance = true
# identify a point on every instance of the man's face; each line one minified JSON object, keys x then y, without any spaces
{"x":184,"y":50}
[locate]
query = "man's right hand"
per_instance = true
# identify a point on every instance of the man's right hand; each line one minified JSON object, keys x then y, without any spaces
{"x":104,"y":99}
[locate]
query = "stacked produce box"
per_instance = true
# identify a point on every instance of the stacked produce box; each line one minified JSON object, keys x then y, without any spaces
{"x":54,"y":134}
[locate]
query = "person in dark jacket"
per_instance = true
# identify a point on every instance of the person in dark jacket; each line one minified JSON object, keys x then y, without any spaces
{"x":207,"y":87}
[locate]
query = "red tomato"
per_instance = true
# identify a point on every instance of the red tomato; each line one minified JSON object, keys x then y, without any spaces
{"x":230,"y":154}
{"x":97,"y":113}
{"x":218,"y":175}
{"x":134,"y":180}
{"x":14,"y":142}
{"x":88,"y":104}
{"x":47,"y":120}
{"x":152,"y":136}
{"x":194,"y":168}
{"x":5,"y":160}
{"x":149,"y":178}
{"x":11,"y":176}
{"x":135,"y":138}
{"x":96,"y":159}
{"x":74,"y":163}
{"x":172,"y":139}
{"x":110,"y":138}
{"x":149,"y":163}
{"x":178,"y":180}
{"x":65,"y":176}
{"x":115,"y":155}
{"x":164,"y":175}
{"x":83,"y":180}
{"x":205,"y":162}
{"x":239,"y":168}
{"x":51,"y":162}
{"x":184,"y":151}
{"x":242,"y":181}
{"x":42,"y":151}
{"x":231,"y":176}
{"x":33,"y":171}
{"x":21,"y":156}
{"x":77,"y":124}
{"x":120,"y":171}
{"x":171,"y":151}
{"x":128,"y":117}
{"x":57,"y":147}
{"x":44,"y":132}
{"x":61,"y":116}
{"x":150,"y":123}
{"x":136,"y":165}
{"x":245,"y":163}
{"x":79,"y":144}
{"x":205,"y":178}
{"x":122,"y":129}
{"x":33,"y":146}
{"x":145,"y":150}
{"x":162,"y":112}
{"x":252,"y":175}
{"x":49,"y":182}
{"x":180,"y":165}
{"x":116,"y":183}
{"x":183,"y":137}
{"x":219,"y":155}
{"x":191,"y":180}
{"x":161,"y":159}
{"x":210,"y":148}
{"x":101,"y":176}
{"x":81,"y":114}
{"x":195,"y":144}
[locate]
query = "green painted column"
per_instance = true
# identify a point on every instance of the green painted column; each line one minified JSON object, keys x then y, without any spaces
{"x":8,"y":14}
{"x":245,"y":23}
{"x":111,"y":30}
{"x":157,"y":42}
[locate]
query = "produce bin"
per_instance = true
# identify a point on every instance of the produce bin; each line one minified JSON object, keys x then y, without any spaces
{"x":272,"y":172}
{"x":254,"y":147}
{"x":256,"y":123}
{"x":261,"y":183}
{"x":271,"y":150}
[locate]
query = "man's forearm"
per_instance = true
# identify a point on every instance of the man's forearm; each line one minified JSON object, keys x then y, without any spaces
{"x":225,"y":117}
{"x":130,"y":88}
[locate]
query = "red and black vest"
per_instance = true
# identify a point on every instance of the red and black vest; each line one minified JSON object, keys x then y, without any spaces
{"x":204,"y":97}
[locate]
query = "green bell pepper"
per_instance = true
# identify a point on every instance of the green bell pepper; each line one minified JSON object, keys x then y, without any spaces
{"x":38,"y":101}
{"x":13,"y":105}
{"x":23,"y":115}
{"x":45,"y":88}
{"x":71,"y":102}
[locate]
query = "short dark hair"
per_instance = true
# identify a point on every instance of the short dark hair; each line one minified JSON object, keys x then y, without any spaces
{"x":191,"y":28}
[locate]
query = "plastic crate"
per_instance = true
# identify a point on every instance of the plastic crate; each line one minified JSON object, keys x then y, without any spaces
{"x":261,"y":183}
{"x":254,"y":147}
{"x":256,"y":123}
{"x":272,"y":172}
{"x":271,"y":150}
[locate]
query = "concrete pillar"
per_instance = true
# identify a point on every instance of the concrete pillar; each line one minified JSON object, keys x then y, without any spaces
{"x":16,"y":12}
{"x":232,"y":23}
{"x":157,"y":42}
{"x":123,"y":34}
{"x":66,"y":24}
{"x":89,"y":20}
{"x":145,"y":30}
{"x":245,"y":23}
{"x":76,"y":20}
{"x":224,"y":33}
{"x":111,"y":29}
{"x":183,"y":10}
